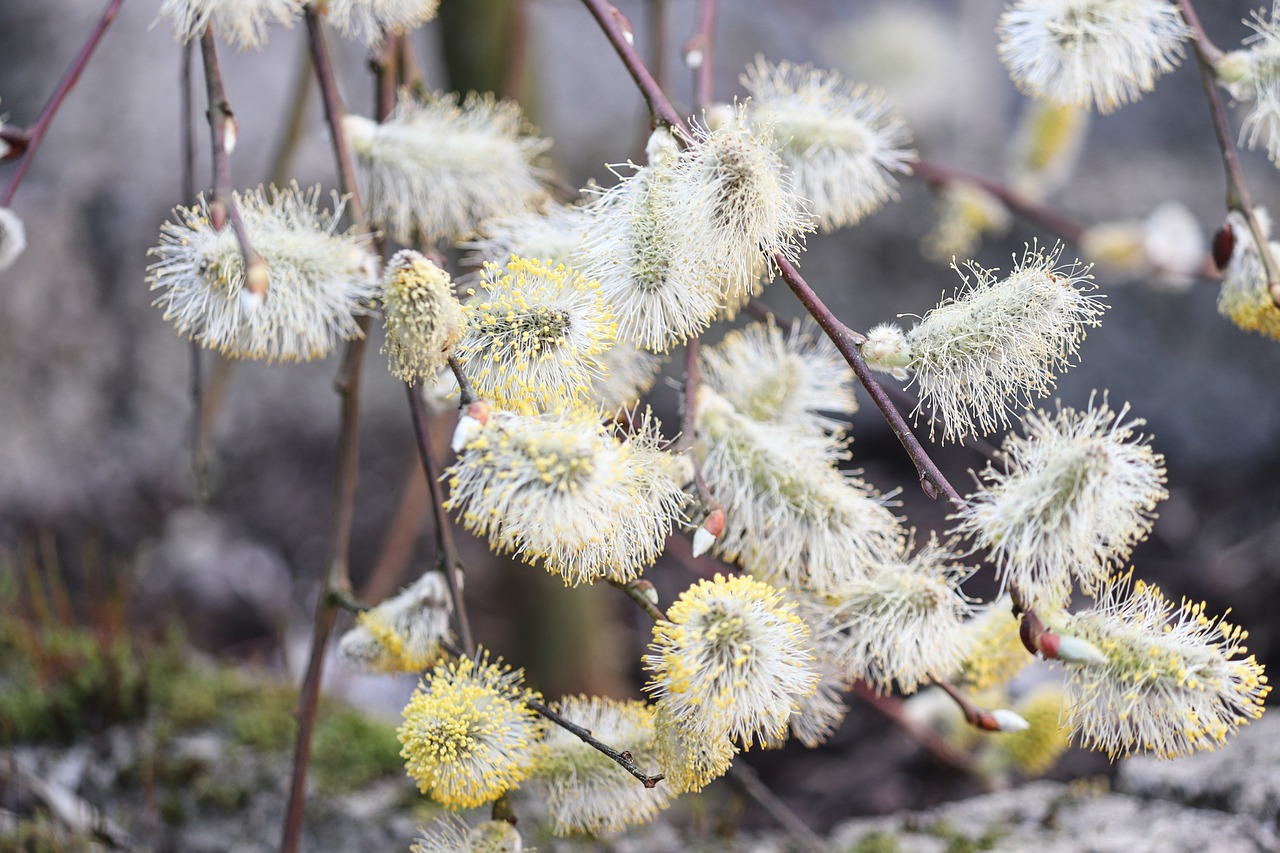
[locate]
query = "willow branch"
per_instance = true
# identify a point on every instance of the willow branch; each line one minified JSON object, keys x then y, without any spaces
{"x":848,"y":342}
{"x":624,"y":759}
{"x":618,"y":30}
{"x":347,"y":384}
{"x":637,"y":594}
{"x":702,"y":44}
{"x":30,"y":140}
{"x":444,"y":531}
{"x":935,"y":744}
{"x":223,"y":134}
{"x":939,"y":175}
{"x":334,"y":113}
{"x":465,"y":388}
{"x":748,"y":781}
{"x":1237,"y":192}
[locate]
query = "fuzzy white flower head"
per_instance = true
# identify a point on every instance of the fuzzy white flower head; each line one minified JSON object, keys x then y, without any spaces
{"x":1245,"y":297}
{"x":791,"y":516}
{"x":1253,"y":73}
{"x":904,"y":622}
{"x":560,"y":490}
{"x":467,"y":735}
{"x":735,"y":200}
{"x":13,"y":237}
{"x":629,"y":374}
{"x":732,"y":657}
{"x":535,"y":334}
{"x":403,"y":633}
{"x":689,"y":762}
{"x":371,"y":19}
{"x":797,"y":381}
{"x":586,"y":791}
{"x":317,"y":278}
{"x":239,"y":22}
{"x":450,"y":834}
{"x":996,"y":653}
{"x":645,"y":262}
{"x":438,"y":168}
{"x":1067,"y":501}
{"x":423,"y":319}
{"x":843,"y":141}
{"x":1176,"y":680}
{"x":818,"y":715}
{"x":1100,"y":52}
{"x":997,"y":344}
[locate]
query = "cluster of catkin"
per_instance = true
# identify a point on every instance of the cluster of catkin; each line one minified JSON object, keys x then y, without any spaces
{"x":565,"y":327}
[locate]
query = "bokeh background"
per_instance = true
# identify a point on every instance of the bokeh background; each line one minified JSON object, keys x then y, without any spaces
{"x":96,"y":408}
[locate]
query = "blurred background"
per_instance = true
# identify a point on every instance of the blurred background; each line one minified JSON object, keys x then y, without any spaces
{"x":96,"y":408}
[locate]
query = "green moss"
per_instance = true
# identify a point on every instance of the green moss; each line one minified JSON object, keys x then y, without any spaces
{"x":959,"y":842}
{"x":63,"y":680}
{"x":351,"y":749}
{"x":40,"y":834}
{"x":261,"y":716}
{"x":876,"y":842}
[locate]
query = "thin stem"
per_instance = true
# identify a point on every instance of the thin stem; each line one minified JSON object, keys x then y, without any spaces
{"x":347,"y":384}
{"x":1237,"y":192}
{"x":337,"y":582}
{"x":848,"y":343}
{"x":935,"y":744}
{"x":688,"y":426}
{"x":32,"y":138}
{"x":466,"y":389}
{"x":939,"y":175}
{"x":748,"y":780}
{"x":979,"y":718}
{"x":334,"y":113}
{"x":624,"y":759}
{"x":658,"y":41}
{"x":637,"y":594}
{"x":703,"y":42}
{"x":199,"y":459}
{"x":444,"y":531}
{"x":222,"y":130}
{"x":617,"y":29}
{"x":295,"y":125}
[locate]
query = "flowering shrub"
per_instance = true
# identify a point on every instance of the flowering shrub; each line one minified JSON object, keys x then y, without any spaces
{"x":549,"y":349}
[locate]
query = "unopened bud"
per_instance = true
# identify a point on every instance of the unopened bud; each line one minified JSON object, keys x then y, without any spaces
{"x":1008,"y":721}
{"x":648,"y":590}
{"x":470,"y":425}
{"x":230,"y":134}
{"x":218,"y":213}
{"x":623,"y":24}
{"x":1076,"y":650}
{"x":693,"y":58}
{"x":706,"y":535}
{"x":13,"y":237}
{"x":257,"y":277}
{"x":1224,"y":243}
{"x":886,"y":349}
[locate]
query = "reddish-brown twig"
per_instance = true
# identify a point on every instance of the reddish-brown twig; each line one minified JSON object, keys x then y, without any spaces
{"x":223,"y":133}
{"x":347,"y":384}
{"x":1237,"y":192}
{"x":938,"y":175}
{"x":445,"y":547}
{"x":29,"y":141}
